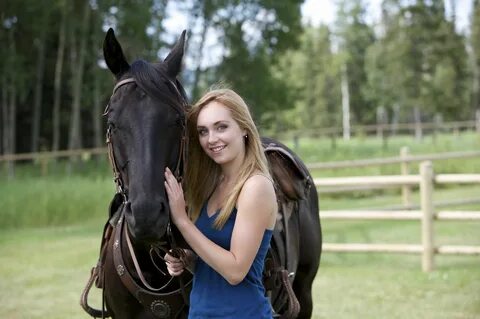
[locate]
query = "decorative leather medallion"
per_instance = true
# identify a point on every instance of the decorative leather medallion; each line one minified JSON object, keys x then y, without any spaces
{"x":160,"y":309}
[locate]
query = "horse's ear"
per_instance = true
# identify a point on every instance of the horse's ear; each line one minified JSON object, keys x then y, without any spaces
{"x":174,"y":58}
{"x":113,"y":54}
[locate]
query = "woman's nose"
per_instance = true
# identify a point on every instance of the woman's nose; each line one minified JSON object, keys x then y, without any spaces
{"x":212,"y":137}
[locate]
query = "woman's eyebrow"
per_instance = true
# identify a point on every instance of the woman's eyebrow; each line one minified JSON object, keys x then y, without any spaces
{"x":214,"y":124}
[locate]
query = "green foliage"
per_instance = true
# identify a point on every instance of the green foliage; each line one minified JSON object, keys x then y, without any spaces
{"x":475,"y":44}
{"x":412,"y":60}
{"x":255,"y":33}
{"x":419,"y":61}
{"x":32,"y":202}
{"x":313,"y":72}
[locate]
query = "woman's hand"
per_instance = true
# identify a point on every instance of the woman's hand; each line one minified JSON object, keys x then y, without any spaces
{"x":176,"y":200}
{"x":175,"y":266}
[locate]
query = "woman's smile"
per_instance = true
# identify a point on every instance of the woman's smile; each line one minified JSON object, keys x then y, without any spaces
{"x":217,"y":149}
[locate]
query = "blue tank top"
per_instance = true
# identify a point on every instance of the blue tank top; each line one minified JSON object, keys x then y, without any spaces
{"x":212,"y":296}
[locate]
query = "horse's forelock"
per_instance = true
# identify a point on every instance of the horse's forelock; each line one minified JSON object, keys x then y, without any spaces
{"x":146,"y":75}
{"x":151,"y":77}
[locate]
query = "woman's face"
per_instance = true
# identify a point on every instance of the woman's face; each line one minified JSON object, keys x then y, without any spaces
{"x":219,"y":134}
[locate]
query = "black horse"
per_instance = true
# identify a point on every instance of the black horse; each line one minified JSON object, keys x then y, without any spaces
{"x":146,"y":119}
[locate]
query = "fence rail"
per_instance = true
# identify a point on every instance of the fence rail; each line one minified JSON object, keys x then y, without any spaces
{"x":405,"y":158}
{"x":381,"y":129}
{"x":426,"y":215}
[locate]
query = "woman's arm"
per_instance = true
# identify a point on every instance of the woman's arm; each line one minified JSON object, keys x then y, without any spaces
{"x":255,"y":206}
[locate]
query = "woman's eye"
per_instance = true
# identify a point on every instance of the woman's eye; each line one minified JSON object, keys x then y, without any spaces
{"x":222,"y":127}
{"x":202,"y":132}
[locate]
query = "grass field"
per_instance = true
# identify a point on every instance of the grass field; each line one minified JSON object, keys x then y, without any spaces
{"x":43,"y":272}
{"x":50,"y":229}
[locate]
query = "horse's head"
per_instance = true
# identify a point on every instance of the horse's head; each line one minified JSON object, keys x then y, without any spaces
{"x":146,"y":122}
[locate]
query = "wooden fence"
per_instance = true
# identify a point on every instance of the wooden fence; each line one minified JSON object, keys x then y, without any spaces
{"x":426,"y":180}
{"x":387,"y":129}
{"x":405,"y":159}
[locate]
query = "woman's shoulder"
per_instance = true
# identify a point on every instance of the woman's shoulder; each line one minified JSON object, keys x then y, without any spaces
{"x":257,"y":200}
{"x":259,"y":180}
{"x":258,"y":186}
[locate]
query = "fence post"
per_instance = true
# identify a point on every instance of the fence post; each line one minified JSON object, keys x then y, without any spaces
{"x":477,"y":120}
{"x":44,"y":165}
{"x":426,"y":202}
{"x":405,"y":170}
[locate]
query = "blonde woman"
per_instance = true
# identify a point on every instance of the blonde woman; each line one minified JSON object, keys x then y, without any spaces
{"x":231,"y":210}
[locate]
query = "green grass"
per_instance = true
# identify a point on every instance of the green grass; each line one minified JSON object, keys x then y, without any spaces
{"x":44,"y":270}
{"x":383,"y":286}
{"x":29,"y":202}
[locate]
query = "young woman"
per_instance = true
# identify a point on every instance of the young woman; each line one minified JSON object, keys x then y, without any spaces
{"x":231,"y":210}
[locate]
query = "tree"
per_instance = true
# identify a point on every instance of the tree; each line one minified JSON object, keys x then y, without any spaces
{"x":253,"y":33}
{"x":58,"y":75}
{"x":418,"y":65}
{"x":355,"y":36}
{"x":77,"y":56}
{"x":475,"y":54}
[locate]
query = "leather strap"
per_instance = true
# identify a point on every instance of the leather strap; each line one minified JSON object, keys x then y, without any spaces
{"x":162,"y":305}
{"x":97,"y":276}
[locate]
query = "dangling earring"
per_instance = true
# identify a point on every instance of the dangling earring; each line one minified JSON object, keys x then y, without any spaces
{"x":245,"y":136}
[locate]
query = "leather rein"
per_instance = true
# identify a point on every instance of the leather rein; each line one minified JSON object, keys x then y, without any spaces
{"x":145,"y":294}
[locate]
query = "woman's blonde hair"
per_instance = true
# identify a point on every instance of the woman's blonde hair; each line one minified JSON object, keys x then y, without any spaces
{"x":203,"y":174}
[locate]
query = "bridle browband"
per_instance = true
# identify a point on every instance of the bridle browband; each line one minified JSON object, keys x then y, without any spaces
{"x":131,"y":285}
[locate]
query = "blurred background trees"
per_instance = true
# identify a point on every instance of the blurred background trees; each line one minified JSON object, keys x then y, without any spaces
{"x":412,"y":65}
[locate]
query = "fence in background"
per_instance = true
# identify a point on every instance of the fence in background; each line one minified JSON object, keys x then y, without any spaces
{"x":426,"y":214}
{"x":405,"y":159}
{"x":425,"y":180}
{"x":387,"y":130}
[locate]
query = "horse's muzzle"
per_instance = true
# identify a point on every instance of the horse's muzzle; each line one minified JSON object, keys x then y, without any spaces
{"x":147,"y":221}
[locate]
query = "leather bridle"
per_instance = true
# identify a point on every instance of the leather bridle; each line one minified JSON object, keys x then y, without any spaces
{"x":131,"y":285}
{"x":181,"y":162}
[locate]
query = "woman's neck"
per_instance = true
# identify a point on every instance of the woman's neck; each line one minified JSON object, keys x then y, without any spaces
{"x":228,"y":179}
{"x":231,"y":170}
